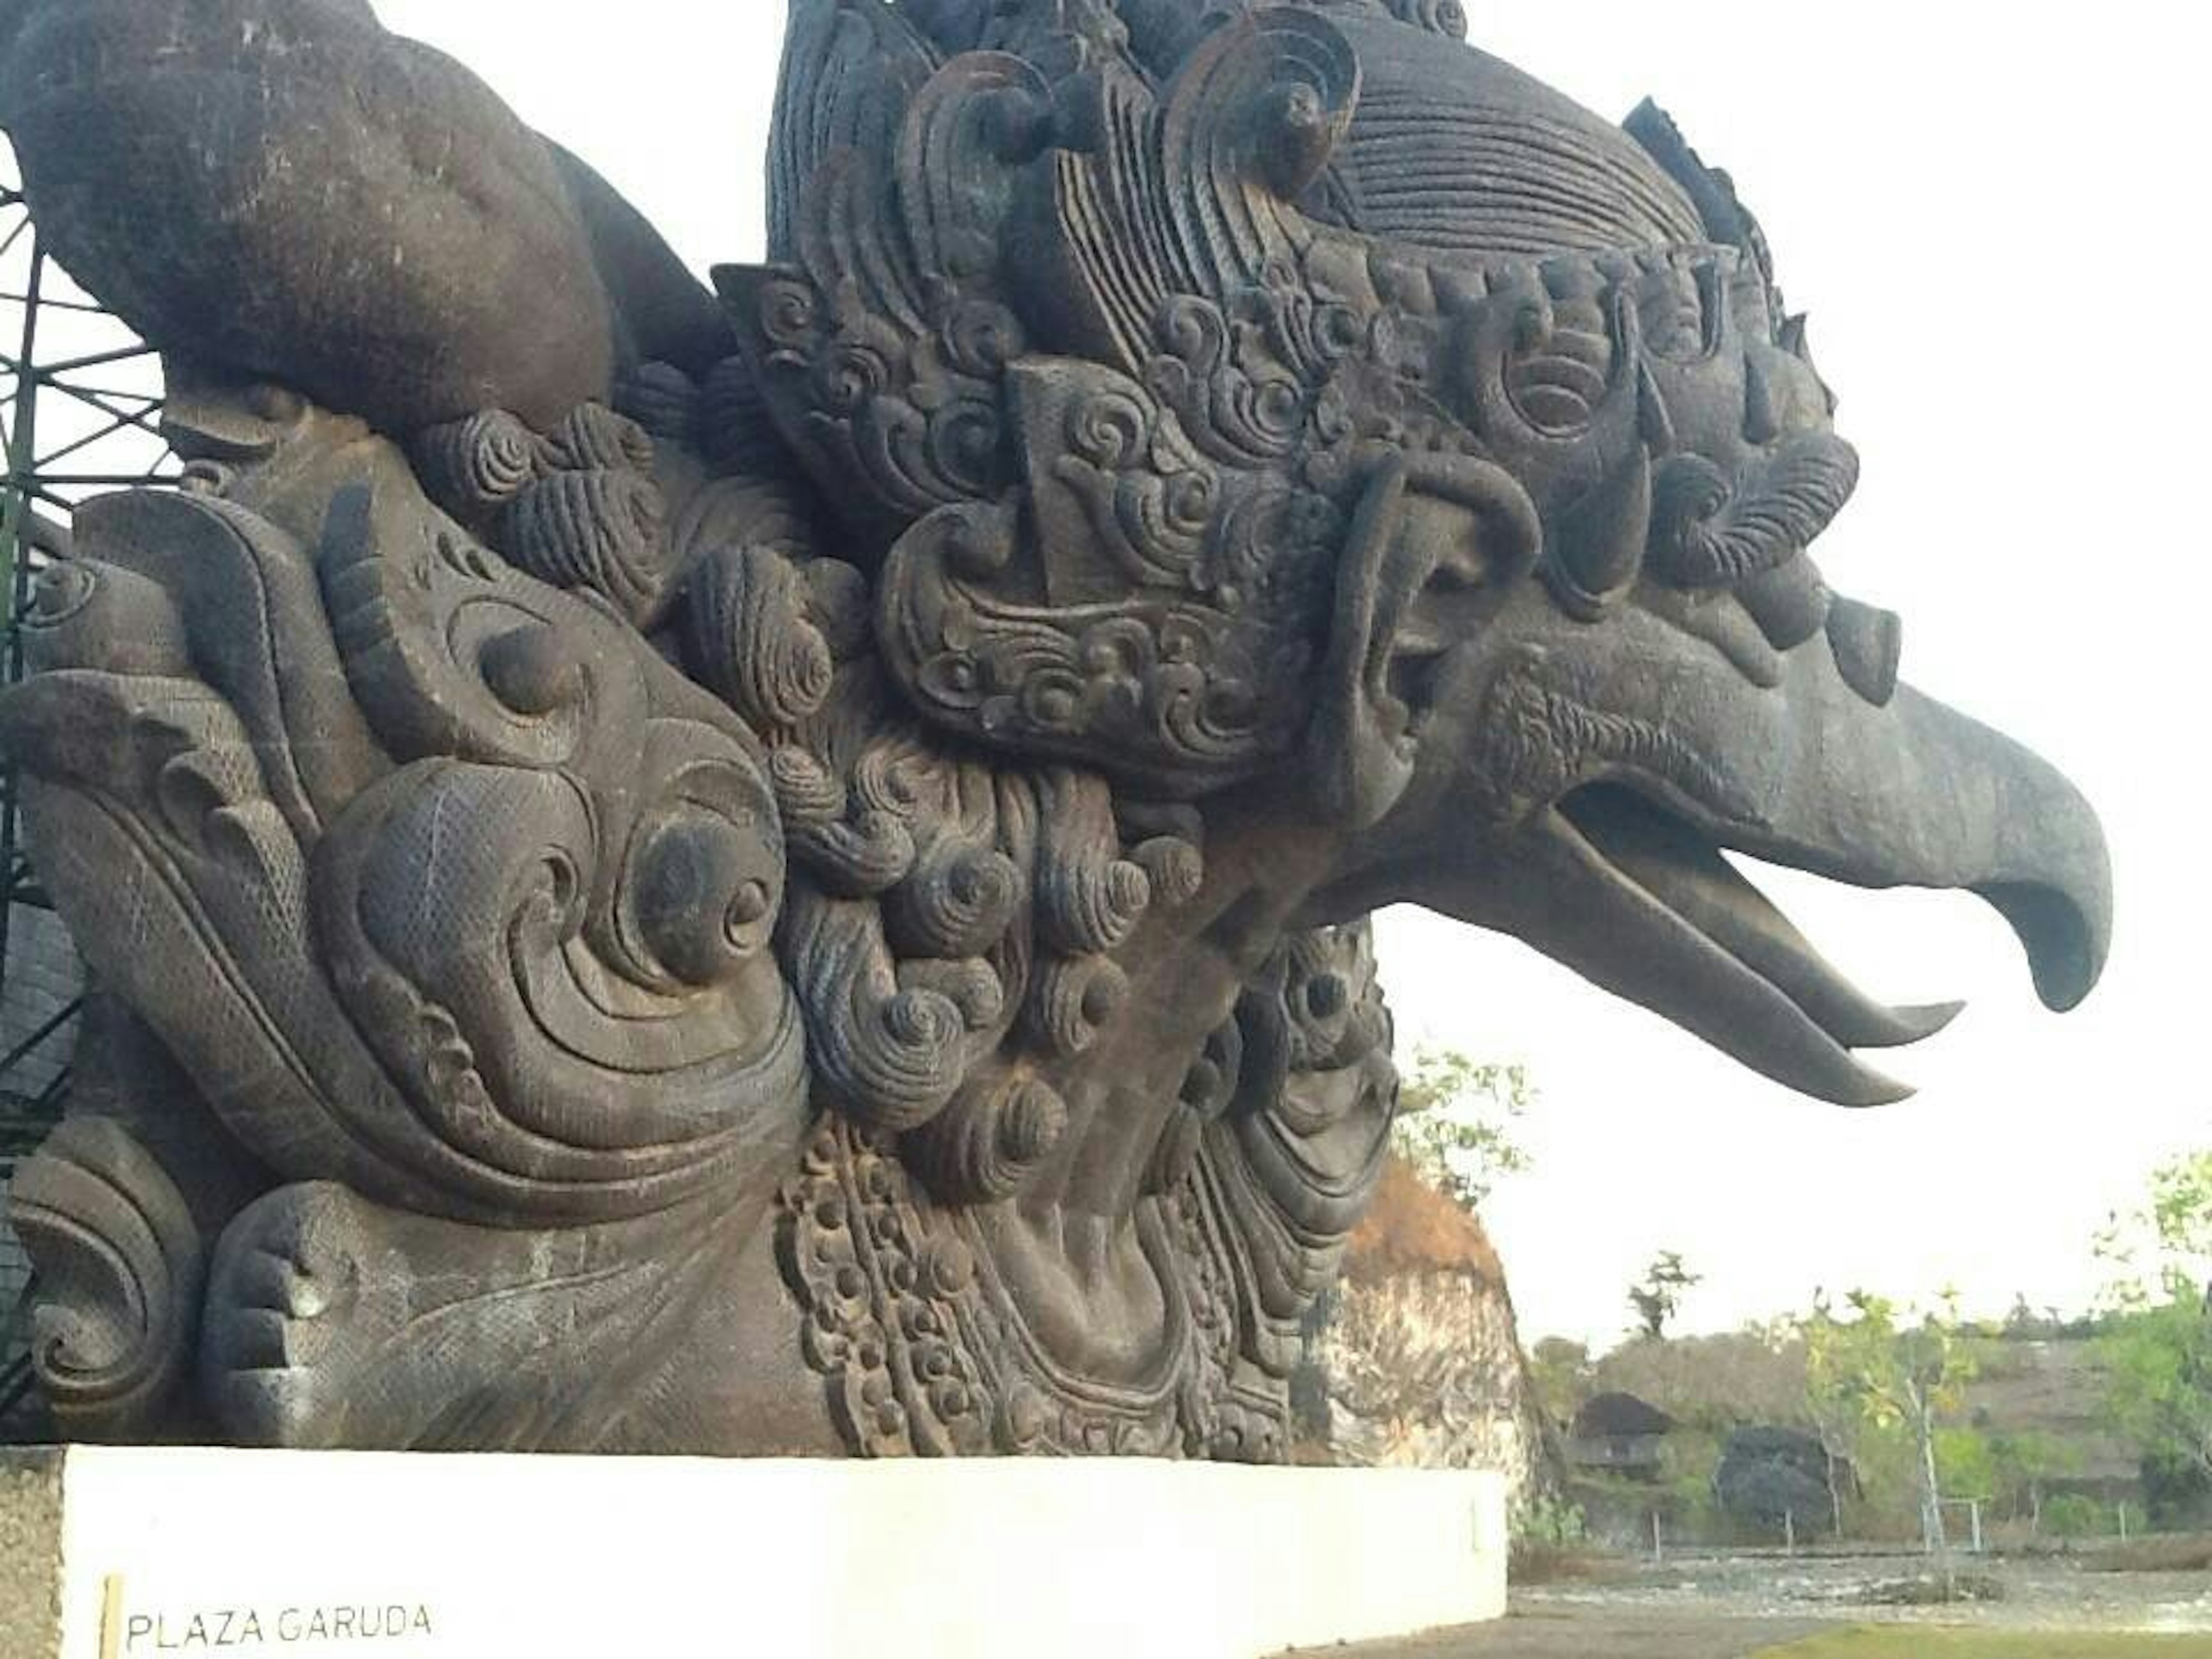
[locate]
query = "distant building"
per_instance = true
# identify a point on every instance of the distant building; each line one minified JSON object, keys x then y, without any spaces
{"x":1618,"y":1434}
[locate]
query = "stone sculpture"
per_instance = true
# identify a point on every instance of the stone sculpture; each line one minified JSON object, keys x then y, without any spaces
{"x":789,"y":874}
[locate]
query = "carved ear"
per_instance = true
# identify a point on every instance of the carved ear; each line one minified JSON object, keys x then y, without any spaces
{"x":1424,"y":519}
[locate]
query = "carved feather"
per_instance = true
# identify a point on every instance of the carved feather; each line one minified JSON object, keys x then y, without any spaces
{"x":850,"y":68}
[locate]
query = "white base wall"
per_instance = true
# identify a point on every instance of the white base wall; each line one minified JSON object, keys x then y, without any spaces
{"x":126,"y":1554}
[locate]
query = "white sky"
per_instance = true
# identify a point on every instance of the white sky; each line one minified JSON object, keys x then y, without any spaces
{"x":1996,"y":215}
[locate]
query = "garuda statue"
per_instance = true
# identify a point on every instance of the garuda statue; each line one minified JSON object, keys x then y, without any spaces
{"x":785,"y":871}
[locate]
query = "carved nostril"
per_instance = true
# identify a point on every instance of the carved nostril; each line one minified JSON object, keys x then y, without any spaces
{"x":1869,"y":647}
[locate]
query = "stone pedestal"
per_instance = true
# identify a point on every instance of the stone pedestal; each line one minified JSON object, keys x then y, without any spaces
{"x":116,"y":1555}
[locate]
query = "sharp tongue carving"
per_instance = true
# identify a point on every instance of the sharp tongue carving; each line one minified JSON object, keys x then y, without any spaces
{"x":1637,"y":947}
{"x":1812,"y":773}
{"x":1689,"y":876}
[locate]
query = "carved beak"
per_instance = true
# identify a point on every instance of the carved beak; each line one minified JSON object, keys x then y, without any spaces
{"x":1579,"y":783}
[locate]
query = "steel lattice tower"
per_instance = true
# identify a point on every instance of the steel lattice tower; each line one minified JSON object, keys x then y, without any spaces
{"x":80,"y":406}
{"x":80,"y":409}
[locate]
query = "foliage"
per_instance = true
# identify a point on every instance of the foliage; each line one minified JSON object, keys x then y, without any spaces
{"x":1549,"y":1518}
{"x":1457,"y":1123}
{"x":1966,"y":1465}
{"x":1714,"y":1383}
{"x":2157,"y":1346}
{"x":2164,"y":1250}
{"x":1659,"y":1296}
{"x":1560,"y":1377}
{"x":2178,"y":1495}
{"x":1553,"y":1541}
{"x":1693,"y":1458}
{"x":2161,"y":1364}
{"x":2009,"y":1423}
{"x":2028,"y":1324}
{"x":1883,"y":1383}
{"x":2074,"y":1515}
{"x":2022,"y":1462}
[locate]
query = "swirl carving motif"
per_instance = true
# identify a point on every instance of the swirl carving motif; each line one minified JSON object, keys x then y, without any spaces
{"x":782,"y":873}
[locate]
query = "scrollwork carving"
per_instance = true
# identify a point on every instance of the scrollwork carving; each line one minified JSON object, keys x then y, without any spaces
{"x":607,"y":821}
{"x":120,"y":1263}
{"x":1174,"y":694}
{"x":991,"y":1142}
{"x":533,"y":1060}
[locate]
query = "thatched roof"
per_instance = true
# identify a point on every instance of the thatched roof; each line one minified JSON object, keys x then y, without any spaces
{"x":1621,"y":1416}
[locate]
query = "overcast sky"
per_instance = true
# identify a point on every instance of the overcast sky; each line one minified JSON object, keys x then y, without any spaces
{"x":1996,"y":216}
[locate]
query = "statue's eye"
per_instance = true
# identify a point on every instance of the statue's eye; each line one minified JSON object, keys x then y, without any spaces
{"x":1562,"y":364}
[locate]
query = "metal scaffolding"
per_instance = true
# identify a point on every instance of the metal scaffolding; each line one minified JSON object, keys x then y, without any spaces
{"x":80,"y":409}
{"x":79,"y":415}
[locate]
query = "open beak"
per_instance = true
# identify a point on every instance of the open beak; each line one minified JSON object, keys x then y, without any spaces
{"x":1609,"y":767}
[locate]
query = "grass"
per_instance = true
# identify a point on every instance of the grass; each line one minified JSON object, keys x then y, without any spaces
{"x":1919,"y":1642}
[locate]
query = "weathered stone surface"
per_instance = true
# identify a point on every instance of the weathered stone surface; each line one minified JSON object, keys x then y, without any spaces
{"x":282,"y":187}
{"x":795,"y":880}
{"x":1417,"y":1358}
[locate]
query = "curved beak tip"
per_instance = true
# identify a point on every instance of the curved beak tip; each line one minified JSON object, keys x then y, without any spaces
{"x":1929,"y":1019}
{"x":1879,"y":1092}
{"x":2067,"y":944}
{"x":2063,"y":990}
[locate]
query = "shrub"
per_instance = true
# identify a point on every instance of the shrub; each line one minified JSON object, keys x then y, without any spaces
{"x":2071,"y":1515}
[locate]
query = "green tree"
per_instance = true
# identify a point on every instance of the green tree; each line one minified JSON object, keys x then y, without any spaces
{"x":2024,"y":1463}
{"x":1833,"y":1400}
{"x":2157,"y":1346}
{"x":1559,"y":1375}
{"x":1659,"y":1296}
{"x":1877,"y":1379}
{"x":1458,"y":1122}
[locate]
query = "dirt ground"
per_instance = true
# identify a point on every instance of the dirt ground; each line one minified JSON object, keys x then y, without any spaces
{"x":1572,"y":1635}
{"x":1604,"y":1636}
{"x":2054,"y":1593}
{"x":1733,"y":1607}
